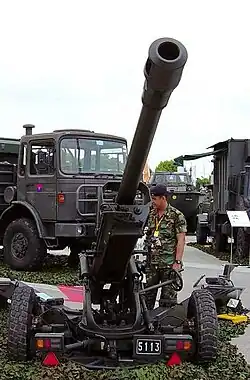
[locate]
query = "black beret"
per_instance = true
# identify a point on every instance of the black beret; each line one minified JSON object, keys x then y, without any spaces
{"x":159,"y":190}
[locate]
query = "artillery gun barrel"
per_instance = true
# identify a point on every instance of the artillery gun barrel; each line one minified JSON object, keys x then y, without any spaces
{"x":163,"y":71}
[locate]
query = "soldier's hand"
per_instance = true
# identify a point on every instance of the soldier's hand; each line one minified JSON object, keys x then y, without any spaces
{"x":176,"y":266}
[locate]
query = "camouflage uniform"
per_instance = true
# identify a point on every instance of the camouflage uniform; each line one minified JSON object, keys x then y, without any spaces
{"x":161,"y":258}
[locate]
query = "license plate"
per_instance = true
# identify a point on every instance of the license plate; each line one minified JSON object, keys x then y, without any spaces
{"x":148,"y":346}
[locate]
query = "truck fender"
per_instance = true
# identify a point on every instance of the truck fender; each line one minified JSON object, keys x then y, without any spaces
{"x":31,"y":210}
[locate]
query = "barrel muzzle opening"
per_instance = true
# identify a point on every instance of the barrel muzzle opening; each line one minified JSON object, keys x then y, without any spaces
{"x":169,"y":51}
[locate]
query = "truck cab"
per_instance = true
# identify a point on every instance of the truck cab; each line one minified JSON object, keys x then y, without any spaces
{"x":182,"y":194}
{"x":58,"y":193}
{"x":175,"y":181}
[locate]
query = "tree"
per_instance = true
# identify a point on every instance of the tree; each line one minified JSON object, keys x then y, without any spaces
{"x":166,"y":166}
{"x":202,"y":181}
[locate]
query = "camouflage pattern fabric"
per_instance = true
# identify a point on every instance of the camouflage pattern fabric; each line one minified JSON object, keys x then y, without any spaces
{"x":162,"y":250}
{"x":154,"y":276}
{"x":163,"y":247}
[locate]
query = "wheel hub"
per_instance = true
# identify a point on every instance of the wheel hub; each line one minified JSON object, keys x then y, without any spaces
{"x":19,"y":246}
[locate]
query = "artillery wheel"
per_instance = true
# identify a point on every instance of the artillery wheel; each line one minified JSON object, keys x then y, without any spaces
{"x":202,"y":312}
{"x":177,"y":283}
{"x":23,"y":249}
{"x":22,"y":308}
{"x":201,"y":234}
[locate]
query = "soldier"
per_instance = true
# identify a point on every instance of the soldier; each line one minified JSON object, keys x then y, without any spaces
{"x":166,"y":233}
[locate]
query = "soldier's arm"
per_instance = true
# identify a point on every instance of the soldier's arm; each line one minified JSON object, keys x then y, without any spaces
{"x":150,"y":222}
{"x":181,"y":230}
{"x":148,"y":229}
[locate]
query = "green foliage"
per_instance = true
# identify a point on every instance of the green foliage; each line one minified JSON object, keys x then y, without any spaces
{"x":230,"y":365}
{"x":166,"y":166}
{"x":202,"y":181}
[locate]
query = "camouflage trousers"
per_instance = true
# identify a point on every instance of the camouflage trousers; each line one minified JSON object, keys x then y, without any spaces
{"x":154,"y":276}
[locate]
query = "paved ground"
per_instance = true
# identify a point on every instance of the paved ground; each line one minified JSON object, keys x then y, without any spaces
{"x":196,"y":263}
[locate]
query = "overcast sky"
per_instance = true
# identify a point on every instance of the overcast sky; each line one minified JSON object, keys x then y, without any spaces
{"x":79,"y":64}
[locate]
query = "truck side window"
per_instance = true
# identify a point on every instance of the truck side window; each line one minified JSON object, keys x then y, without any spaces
{"x":42,"y":158}
{"x":23,"y":159}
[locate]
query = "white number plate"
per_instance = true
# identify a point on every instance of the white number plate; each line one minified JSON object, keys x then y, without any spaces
{"x":148,"y":347}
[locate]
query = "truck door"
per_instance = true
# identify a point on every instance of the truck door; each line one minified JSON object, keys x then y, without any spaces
{"x":41,"y":178}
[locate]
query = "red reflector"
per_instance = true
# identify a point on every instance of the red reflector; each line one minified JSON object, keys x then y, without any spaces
{"x":174,"y":360}
{"x":51,"y":360}
{"x":179,"y":345}
{"x":60,"y":198}
{"x":46,"y":343}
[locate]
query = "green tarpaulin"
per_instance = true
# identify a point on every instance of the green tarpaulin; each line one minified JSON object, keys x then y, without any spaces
{"x":190,"y":157}
{"x":9,"y":146}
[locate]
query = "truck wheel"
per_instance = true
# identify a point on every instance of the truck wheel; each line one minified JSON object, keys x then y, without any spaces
{"x":242,"y":244}
{"x":23,"y":249}
{"x":19,"y":339}
{"x":220,"y":242}
{"x":201,"y":234}
{"x":202,"y":312}
{"x":73,"y":260}
{"x":191,"y":224}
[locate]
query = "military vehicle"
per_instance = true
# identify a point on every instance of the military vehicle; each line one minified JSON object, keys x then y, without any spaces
{"x":51,"y":191}
{"x":183,"y":194}
{"x":231,"y":191}
{"x":206,"y":203}
{"x":121,"y":331}
{"x":9,"y":149}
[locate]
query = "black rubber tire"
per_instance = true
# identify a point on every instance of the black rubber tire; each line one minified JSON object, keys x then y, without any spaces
{"x":201,"y":234}
{"x":202,"y":310}
{"x":73,"y":259}
{"x":19,"y":324}
{"x":220,"y":242}
{"x":242,"y":244}
{"x":191,"y":224}
{"x":36,"y":250}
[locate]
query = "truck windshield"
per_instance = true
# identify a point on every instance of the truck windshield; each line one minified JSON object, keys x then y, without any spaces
{"x":83,"y":155}
{"x":171,"y":178}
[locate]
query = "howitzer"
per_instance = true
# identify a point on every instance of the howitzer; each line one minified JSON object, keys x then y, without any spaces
{"x":122,"y":330}
{"x":122,"y":222}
